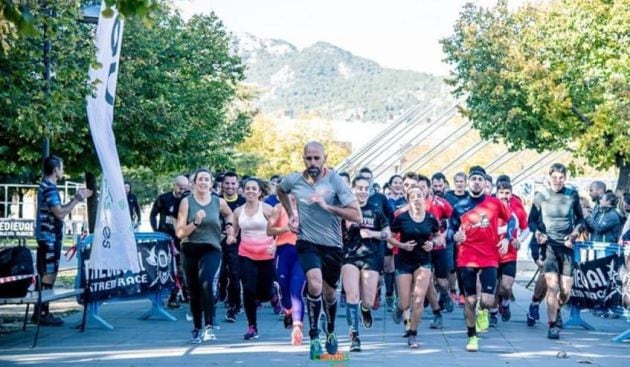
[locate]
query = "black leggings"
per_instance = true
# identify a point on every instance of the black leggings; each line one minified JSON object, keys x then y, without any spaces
{"x":201,"y":263}
{"x":257,"y":278}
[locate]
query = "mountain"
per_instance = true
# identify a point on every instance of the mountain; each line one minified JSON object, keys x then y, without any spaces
{"x":328,"y":81}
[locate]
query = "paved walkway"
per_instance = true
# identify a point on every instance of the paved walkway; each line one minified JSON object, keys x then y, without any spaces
{"x":158,"y":342}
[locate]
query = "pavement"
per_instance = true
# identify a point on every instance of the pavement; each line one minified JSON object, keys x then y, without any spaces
{"x":158,"y":342}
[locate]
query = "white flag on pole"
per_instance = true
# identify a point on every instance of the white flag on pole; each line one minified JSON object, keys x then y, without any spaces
{"x":114,"y":245}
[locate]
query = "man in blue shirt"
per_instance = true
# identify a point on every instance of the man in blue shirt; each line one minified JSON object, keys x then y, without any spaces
{"x":49,"y":231}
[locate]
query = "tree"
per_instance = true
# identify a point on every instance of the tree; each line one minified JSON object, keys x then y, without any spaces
{"x":273,"y":149}
{"x":548,"y":77}
{"x":17,"y":15}
{"x":32,"y":108}
{"x":179,"y":105}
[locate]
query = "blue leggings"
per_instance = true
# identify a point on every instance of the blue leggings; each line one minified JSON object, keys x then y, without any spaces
{"x":291,"y":279}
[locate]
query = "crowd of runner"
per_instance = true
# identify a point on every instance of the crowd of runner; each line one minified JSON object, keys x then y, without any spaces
{"x":297,"y":240}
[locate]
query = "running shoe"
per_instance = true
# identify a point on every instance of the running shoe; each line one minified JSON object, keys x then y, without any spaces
{"x":530,"y":320}
{"x":288,"y":320}
{"x":252,"y":333}
{"x":506,"y":315}
{"x":315,"y":349}
{"x":454,"y":297}
{"x":473,"y":344}
{"x":196,"y":337}
{"x":397,"y":315}
{"x":174,"y":305}
{"x":331,"y":343}
{"x":49,"y":320}
{"x":355,"y":343}
{"x":534,"y":311}
{"x":406,"y":333}
{"x":230,"y":316}
{"x":366,"y":317}
{"x":483,"y":321}
{"x":208,"y":334}
{"x":494,"y":320}
{"x":553,"y":333}
{"x":462,"y":300}
{"x":389,"y":301}
{"x":448,"y":303}
{"x":436,"y":323}
{"x":411,"y":341}
{"x":296,"y":335}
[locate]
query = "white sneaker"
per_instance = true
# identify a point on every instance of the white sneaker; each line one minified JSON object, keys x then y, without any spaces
{"x":208,"y":334}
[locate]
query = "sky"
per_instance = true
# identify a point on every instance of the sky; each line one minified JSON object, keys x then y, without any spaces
{"x":399,"y":34}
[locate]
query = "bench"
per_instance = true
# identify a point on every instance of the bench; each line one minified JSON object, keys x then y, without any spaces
{"x":37,"y":297}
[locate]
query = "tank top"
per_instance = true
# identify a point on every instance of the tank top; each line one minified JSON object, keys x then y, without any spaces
{"x":255,"y":243}
{"x":209,"y":231}
{"x":286,"y":238}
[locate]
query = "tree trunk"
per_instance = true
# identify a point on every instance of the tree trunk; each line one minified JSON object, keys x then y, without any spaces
{"x":92,"y":201}
{"x":623,"y":181}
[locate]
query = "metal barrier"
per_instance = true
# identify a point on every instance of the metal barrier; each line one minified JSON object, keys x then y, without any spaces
{"x":586,"y":251}
{"x":154,"y":280}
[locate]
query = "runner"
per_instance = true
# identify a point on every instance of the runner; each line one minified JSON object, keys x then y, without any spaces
{"x":199,"y":228}
{"x":229,"y":278}
{"x":507,"y":261}
{"x":441,"y":258}
{"x":288,"y":271}
{"x":323,"y":199}
{"x":416,"y":228}
{"x":167,"y":207}
{"x":556,"y":216}
{"x":453,"y":197}
{"x":363,"y":260}
{"x":256,"y":252}
{"x":382,"y":202}
{"x":475,"y":228}
{"x":396,"y":200}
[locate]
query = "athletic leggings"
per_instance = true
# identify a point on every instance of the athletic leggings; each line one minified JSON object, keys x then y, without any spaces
{"x":201,"y":263}
{"x":291,"y":279}
{"x":257,"y":279}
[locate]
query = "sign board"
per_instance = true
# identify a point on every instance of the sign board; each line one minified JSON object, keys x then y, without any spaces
{"x":157,"y":270}
{"x":17,"y":228}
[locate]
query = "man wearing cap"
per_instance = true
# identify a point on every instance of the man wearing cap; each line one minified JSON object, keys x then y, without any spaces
{"x":474,"y":226}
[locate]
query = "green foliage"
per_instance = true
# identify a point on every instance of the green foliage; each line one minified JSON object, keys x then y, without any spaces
{"x":177,"y":88}
{"x":548,"y":77}
{"x":32,"y":108}
{"x":178,"y":104}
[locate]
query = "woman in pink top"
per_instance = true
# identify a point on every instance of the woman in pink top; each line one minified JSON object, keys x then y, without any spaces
{"x":256,"y":251}
{"x":288,"y":271}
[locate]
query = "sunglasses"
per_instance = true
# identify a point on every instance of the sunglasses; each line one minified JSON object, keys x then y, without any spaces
{"x":312,"y":158}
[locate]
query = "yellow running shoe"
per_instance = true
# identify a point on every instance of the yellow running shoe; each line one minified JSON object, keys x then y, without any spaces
{"x":473,"y":344}
{"x":482,"y":323}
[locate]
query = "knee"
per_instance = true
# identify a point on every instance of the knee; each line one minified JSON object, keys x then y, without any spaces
{"x":487,"y":301}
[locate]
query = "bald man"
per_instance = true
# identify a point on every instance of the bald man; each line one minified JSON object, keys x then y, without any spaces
{"x":323,"y":200}
{"x":167,"y":206}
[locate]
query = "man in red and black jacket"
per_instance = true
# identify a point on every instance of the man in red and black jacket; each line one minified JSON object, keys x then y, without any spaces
{"x":474,"y":226}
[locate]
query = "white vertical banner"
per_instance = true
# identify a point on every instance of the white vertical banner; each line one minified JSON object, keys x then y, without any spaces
{"x":114,"y":245}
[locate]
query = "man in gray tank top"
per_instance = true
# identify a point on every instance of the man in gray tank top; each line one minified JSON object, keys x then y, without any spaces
{"x":323,"y":199}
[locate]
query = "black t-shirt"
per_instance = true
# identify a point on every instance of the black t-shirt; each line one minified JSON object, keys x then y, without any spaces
{"x":167,"y":207}
{"x":373,"y":219}
{"x":453,"y":198}
{"x":239,"y":201}
{"x":381,"y":201}
{"x":420,"y":232}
